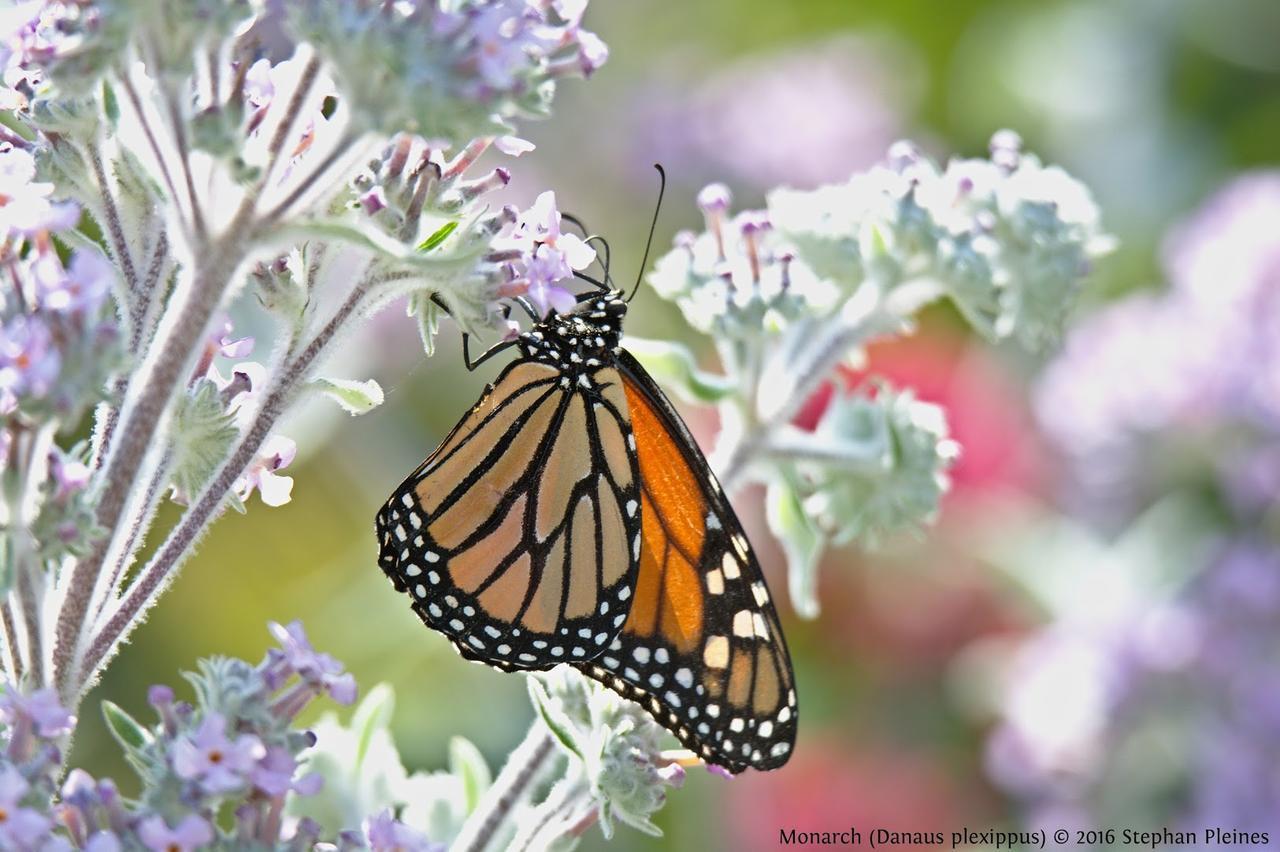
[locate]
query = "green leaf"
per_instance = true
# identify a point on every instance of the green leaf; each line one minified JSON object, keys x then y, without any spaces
{"x":467,"y":763}
{"x":354,"y":396}
{"x":373,"y":714}
{"x":673,"y":366}
{"x":801,"y":541}
{"x":438,"y":237}
{"x":427,"y":313}
{"x":110,"y":106}
{"x":127,"y":730}
{"x":555,"y":720}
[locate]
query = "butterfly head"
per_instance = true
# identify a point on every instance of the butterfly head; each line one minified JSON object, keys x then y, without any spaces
{"x":586,"y":337}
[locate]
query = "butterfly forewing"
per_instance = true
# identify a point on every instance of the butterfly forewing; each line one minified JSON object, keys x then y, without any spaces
{"x":702,"y":649}
{"x":517,"y":538}
{"x":570,"y":517}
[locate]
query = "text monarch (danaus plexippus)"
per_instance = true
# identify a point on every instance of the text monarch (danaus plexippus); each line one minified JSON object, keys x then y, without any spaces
{"x":570,"y":517}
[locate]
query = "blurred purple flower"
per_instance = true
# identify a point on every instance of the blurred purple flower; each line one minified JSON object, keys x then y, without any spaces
{"x":20,"y":827}
{"x":29,"y":360}
{"x":804,"y":117}
{"x":274,"y":775}
{"x":69,"y":475}
{"x":190,"y":834}
{"x":1208,"y":348}
{"x":41,"y":709}
{"x":217,"y":763}
{"x":25,"y":206}
{"x":505,"y":41}
{"x":81,"y":288}
{"x":103,"y":841}
{"x":1088,"y":694}
{"x":296,"y":656}
{"x":387,"y":834}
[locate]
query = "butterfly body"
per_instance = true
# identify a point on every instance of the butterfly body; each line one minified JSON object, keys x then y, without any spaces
{"x":569,"y":517}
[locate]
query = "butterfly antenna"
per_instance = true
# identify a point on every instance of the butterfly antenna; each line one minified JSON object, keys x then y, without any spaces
{"x":644,"y":262}
{"x":608,"y":254}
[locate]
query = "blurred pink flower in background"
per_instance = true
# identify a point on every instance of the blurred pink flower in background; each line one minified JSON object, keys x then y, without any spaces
{"x":802,"y":117}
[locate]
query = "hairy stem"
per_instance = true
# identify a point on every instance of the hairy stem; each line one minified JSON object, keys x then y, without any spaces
{"x":152,"y":141}
{"x":14,"y":666}
{"x":164,"y":565}
{"x":808,"y":367}
{"x":509,"y":789}
{"x":115,"y":228}
{"x":138,"y":425}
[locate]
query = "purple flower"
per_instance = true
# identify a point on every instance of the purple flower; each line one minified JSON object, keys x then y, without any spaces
{"x":1206,"y":349}
{"x":40,"y":709}
{"x":69,"y":475}
{"x":20,"y":827}
{"x":79,"y":289}
{"x":852,"y":97}
{"x":274,"y":775}
{"x":296,"y":656}
{"x":543,"y":271}
{"x":276,"y":453}
{"x":103,"y":841}
{"x":387,"y":834}
{"x":216,"y":763}
{"x":190,"y":834}
{"x":25,"y":207}
{"x":714,"y":198}
{"x":29,"y":361}
{"x":505,"y":41}
{"x":541,"y":224}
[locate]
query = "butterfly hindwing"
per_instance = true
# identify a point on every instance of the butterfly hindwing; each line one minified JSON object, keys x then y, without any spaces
{"x":517,"y":538}
{"x":702,"y":649}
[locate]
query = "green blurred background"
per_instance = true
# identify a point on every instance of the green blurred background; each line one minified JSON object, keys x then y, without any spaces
{"x":1152,"y":103}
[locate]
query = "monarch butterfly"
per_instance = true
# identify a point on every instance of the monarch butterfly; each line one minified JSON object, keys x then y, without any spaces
{"x":570,"y":517}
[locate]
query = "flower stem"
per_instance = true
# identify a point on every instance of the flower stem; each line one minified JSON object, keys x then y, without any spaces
{"x":137,"y":429}
{"x":163,"y":567}
{"x":115,"y":228}
{"x":511,"y":787}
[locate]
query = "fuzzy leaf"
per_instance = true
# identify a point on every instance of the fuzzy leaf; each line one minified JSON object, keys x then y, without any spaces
{"x":427,"y":313}
{"x":674,"y":367}
{"x":802,"y":542}
{"x":373,"y":714}
{"x":466,"y":762}
{"x":354,"y":396}
{"x":557,"y":723}
{"x":128,"y":731}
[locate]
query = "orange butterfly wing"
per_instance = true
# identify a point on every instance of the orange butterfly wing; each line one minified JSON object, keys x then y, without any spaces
{"x":702,"y":648}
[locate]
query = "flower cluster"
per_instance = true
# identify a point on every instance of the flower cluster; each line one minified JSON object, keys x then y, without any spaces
{"x":170,"y":174}
{"x":793,"y":292}
{"x":1161,"y":631}
{"x":450,"y":71}
{"x":231,"y":751}
{"x":59,"y":342}
{"x":616,"y":769}
{"x":231,"y":770}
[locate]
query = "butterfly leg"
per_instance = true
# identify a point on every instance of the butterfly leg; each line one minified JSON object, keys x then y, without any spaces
{"x":484,"y":356}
